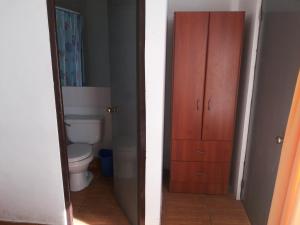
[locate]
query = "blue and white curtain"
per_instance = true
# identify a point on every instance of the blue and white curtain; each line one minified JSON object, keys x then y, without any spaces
{"x":69,"y":38}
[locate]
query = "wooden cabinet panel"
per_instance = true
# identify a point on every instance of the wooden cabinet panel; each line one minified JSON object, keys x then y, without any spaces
{"x":198,"y":176}
{"x":203,"y":188}
{"x":189,"y":150}
{"x":203,"y":172}
{"x":206,"y":64}
{"x":190,"y":43}
{"x":223,"y":65}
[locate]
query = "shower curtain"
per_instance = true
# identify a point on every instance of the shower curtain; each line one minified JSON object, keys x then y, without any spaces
{"x":69,"y":38}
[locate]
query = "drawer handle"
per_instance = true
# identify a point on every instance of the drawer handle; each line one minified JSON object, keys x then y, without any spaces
{"x":200,"y":173}
{"x":200,"y":151}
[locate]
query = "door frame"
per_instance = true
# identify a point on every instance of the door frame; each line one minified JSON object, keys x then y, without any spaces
{"x":245,"y":123}
{"x":141,"y":131}
{"x":244,"y":169}
{"x":141,"y":110}
{"x":59,"y":110}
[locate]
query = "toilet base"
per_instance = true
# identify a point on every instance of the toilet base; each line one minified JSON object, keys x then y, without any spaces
{"x":79,"y":181}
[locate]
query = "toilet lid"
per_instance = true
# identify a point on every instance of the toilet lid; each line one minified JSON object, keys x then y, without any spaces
{"x":77,"y":152}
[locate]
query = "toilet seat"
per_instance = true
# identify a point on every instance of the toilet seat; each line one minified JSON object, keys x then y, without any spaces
{"x":77,"y":152}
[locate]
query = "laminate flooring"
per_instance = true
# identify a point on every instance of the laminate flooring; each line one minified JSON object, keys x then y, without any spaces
{"x":198,"y":209}
{"x":96,"y":205}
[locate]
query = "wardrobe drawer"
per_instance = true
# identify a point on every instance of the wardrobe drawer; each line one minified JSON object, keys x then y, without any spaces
{"x":210,"y":151}
{"x":202,"y":172}
{"x":197,"y":187}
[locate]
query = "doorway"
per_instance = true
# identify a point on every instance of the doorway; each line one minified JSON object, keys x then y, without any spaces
{"x":125,"y":68}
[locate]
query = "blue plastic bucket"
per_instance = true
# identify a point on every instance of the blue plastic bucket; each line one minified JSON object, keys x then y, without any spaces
{"x":106,"y":162}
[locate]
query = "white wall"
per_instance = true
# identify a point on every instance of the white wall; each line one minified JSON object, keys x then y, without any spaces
{"x":90,"y":101}
{"x":252,"y":9}
{"x":186,"y":5}
{"x":204,"y":5}
{"x":155,"y":47}
{"x":31,"y":186}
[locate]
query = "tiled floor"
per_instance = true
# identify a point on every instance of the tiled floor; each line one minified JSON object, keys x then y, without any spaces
{"x":196,"y":209}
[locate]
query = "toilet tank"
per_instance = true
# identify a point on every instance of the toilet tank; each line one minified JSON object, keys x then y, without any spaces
{"x":84,"y":128}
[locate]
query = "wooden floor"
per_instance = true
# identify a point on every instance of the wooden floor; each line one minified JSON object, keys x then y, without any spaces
{"x":196,"y":209}
{"x":96,"y":205}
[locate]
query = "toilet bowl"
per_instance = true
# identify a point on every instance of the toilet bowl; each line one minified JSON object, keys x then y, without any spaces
{"x":79,"y":158}
{"x":83,"y":131}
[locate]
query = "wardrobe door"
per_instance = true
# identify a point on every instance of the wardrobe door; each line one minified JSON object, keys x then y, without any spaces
{"x":190,"y":45}
{"x":223,"y":67}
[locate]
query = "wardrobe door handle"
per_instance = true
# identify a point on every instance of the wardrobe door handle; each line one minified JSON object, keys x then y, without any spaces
{"x":198,"y":102}
{"x":208,"y":104}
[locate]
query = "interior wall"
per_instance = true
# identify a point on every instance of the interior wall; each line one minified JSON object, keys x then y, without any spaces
{"x":252,"y":9}
{"x":155,"y":47}
{"x":30,"y":167}
{"x":179,"y":5}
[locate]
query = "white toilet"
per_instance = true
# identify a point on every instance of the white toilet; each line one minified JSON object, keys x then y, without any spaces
{"x":83,"y":131}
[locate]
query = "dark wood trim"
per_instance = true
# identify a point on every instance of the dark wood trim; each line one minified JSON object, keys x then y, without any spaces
{"x":141,"y":109}
{"x":59,"y":109}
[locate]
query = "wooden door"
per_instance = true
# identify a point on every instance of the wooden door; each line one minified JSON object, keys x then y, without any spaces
{"x":223,"y":67}
{"x":190,"y":44}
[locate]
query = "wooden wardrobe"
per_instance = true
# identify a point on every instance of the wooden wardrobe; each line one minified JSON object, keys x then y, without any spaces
{"x":206,"y":67}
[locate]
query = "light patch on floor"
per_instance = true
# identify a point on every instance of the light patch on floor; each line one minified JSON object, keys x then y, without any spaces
{"x":78,"y":222}
{"x":197,"y":209}
{"x":96,"y":205}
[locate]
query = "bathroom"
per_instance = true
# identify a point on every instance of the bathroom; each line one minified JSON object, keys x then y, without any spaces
{"x":94,"y":86}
